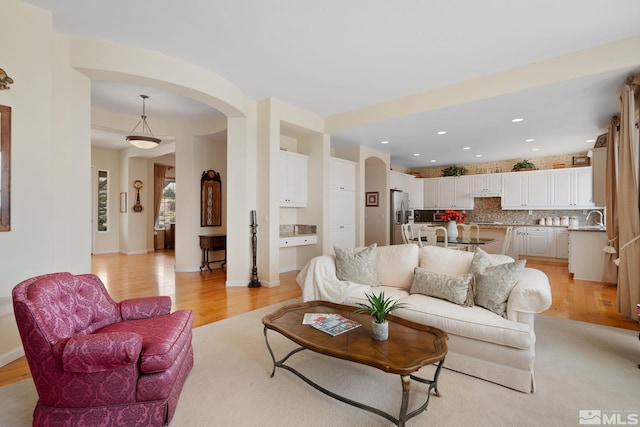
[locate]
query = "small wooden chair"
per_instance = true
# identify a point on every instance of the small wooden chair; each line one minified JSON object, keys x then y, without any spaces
{"x":508,"y":236}
{"x":407,"y":234}
{"x":469,"y":231}
{"x":431,"y":236}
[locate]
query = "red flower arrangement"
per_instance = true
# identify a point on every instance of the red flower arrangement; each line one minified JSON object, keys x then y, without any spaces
{"x":450,"y":215}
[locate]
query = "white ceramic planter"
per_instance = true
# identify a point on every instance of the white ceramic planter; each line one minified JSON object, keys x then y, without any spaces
{"x":380,"y":331}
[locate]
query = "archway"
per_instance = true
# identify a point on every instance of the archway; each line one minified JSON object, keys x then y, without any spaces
{"x":376,"y":227}
{"x":104,"y":61}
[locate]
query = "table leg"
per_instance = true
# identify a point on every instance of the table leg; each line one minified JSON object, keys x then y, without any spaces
{"x":406,"y":389}
{"x":208,"y":262}
{"x":204,"y":259}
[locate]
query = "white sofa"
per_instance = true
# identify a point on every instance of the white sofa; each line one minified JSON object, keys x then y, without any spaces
{"x":481,"y":343}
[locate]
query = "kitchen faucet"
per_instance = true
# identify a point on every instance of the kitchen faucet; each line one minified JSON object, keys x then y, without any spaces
{"x":601,"y":223}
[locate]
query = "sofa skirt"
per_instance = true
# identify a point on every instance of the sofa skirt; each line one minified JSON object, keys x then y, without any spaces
{"x":507,"y":366}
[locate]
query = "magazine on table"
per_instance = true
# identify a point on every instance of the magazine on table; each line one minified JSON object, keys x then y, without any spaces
{"x":331,"y":323}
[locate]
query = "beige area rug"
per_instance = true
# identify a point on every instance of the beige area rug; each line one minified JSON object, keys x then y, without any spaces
{"x":579,"y":366}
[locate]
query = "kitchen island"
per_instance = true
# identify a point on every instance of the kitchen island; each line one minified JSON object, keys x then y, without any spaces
{"x":586,"y":257}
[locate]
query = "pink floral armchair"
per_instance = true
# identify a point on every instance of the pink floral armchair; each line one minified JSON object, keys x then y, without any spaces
{"x":98,"y":362}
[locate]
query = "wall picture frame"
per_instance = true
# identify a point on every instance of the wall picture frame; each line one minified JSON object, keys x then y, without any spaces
{"x":372,"y":198}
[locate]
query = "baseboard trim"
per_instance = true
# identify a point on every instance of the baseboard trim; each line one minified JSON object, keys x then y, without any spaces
{"x":11,"y":355}
{"x":241,"y":283}
{"x":6,"y":306}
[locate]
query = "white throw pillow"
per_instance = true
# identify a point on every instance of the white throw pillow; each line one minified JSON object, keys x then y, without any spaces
{"x":395,"y":264}
{"x":445,"y":260}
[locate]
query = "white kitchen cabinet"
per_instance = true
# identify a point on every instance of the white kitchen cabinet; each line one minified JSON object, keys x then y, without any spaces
{"x":453,"y":193}
{"x":586,"y":257}
{"x":572,"y":188}
{"x":525,"y":190}
{"x":562,"y":242}
{"x":293,"y":179}
{"x":409,"y":184}
{"x":430,"y":200}
{"x":486,"y":185}
{"x":536,"y":241}
{"x":397,"y":181}
{"x":342,"y":204}
{"x":416,"y":194}
{"x":342,"y":174}
{"x":445,"y":197}
{"x":342,"y":208}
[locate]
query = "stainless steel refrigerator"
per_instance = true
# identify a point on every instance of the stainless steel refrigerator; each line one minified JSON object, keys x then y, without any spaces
{"x":399,"y":215}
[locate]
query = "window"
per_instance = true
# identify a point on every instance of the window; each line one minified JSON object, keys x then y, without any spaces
{"x":167,"y":214}
{"x":103,"y":200}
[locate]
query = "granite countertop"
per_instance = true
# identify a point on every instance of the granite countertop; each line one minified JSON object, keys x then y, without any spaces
{"x":595,"y":228}
{"x":291,"y":230}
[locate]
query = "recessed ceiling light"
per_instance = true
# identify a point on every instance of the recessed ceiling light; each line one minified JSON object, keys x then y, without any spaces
{"x":432,"y":160}
{"x":416,"y":154}
{"x":529,"y":140}
{"x":478,"y":155}
{"x":466,"y":148}
{"x":442,"y":132}
{"x":518,"y":120}
{"x":590,"y":140}
{"x":535,"y":149}
{"x":384,"y":142}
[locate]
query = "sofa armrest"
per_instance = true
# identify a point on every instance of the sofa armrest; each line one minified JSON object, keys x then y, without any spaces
{"x":101,"y":352}
{"x":531,"y":294}
{"x":318,"y":281}
{"x":145,"y":307}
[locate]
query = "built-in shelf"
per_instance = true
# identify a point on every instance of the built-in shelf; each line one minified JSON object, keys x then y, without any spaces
{"x":286,"y":242}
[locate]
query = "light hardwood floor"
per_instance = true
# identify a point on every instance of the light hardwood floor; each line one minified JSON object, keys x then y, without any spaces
{"x":206,"y":295}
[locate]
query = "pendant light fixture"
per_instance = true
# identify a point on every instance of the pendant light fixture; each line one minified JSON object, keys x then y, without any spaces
{"x":146,"y":139}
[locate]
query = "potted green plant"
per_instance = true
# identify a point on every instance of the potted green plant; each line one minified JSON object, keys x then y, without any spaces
{"x":523,"y":165}
{"x":379,"y":308}
{"x":454,"y":170}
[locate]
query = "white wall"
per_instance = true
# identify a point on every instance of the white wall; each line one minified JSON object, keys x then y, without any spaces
{"x":360,"y":155}
{"x":211,"y":154}
{"x":109,"y":160}
{"x":376,"y":218}
{"x":274,"y":119}
{"x":50,"y":155}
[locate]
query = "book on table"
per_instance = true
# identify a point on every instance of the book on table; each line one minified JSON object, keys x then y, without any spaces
{"x":331,"y":323}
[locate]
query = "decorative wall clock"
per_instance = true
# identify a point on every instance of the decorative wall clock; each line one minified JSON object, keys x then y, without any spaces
{"x":137,"y":207}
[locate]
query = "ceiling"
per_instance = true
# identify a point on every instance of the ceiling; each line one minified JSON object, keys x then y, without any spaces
{"x":335,"y":56}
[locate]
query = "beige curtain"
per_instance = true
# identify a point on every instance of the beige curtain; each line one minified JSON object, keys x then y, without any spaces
{"x":628,"y":207}
{"x":610,"y":270}
{"x":159,"y":172}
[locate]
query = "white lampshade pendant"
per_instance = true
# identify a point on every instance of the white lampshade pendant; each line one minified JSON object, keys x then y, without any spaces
{"x":145,"y":139}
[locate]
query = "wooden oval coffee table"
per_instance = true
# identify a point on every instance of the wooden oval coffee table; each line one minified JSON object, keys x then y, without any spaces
{"x":410,"y":347}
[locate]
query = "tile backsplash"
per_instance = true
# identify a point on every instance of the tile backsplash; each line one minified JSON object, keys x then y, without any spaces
{"x":488,"y":209}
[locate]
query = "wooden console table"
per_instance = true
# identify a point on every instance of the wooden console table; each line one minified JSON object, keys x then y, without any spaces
{"x":211,"y":242}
